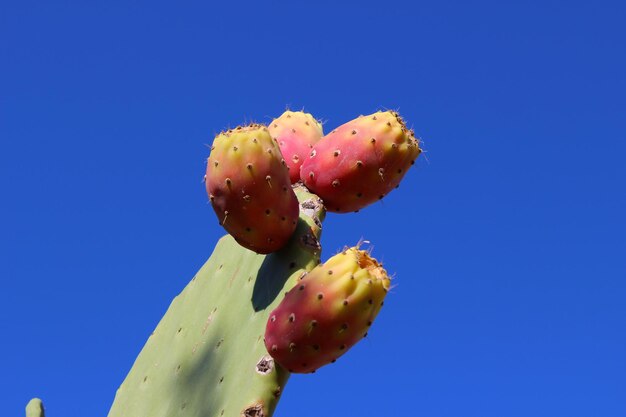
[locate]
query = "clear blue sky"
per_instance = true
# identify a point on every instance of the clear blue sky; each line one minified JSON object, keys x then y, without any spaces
{"x":507,"y":239}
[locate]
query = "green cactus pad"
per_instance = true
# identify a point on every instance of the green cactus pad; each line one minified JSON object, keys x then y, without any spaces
{"x":34,"y":408}
{"x":206,"y":358}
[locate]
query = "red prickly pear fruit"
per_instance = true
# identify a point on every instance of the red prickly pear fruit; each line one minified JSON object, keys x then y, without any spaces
{"x":361,"y":161}
{"x":296,"y":133}
{"x":248,"y":184}
{"x":328,"y":311}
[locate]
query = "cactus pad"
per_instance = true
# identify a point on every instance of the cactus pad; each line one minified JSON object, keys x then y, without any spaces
{"x":206,"y":358}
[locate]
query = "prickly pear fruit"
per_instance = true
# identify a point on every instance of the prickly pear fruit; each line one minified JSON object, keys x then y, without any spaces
{"x":327,"y":312}
{"x":361,"y":161}
{"x":248,"y":185}
{"x":296,"y":133}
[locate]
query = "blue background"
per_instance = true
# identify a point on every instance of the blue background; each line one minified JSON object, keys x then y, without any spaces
{"x":507,"y":239}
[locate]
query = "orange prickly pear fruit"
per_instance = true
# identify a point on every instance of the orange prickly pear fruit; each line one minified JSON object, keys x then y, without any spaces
{"x":296,"y":133}
{"x":248,"y":184}
{"x":361,"y":161}
{"x":328,"y":311}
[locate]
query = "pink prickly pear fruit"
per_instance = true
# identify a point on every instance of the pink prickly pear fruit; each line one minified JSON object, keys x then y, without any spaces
{"x":361,"y":161}
{"x":328,"y":311}
{"x":248,"y":184}
{"x":296,"y":133}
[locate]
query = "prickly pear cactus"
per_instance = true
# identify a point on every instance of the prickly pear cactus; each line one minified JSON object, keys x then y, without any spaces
{"x":206,"y":358}
{"x":229,"y":341}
